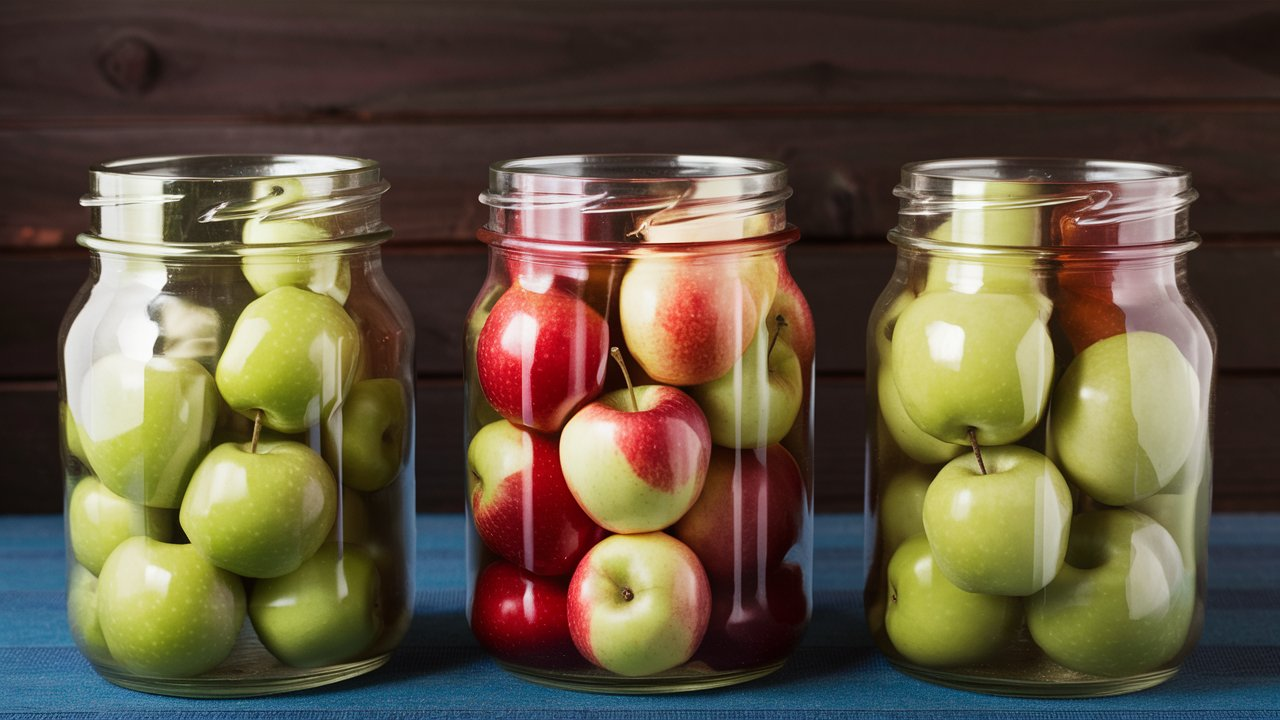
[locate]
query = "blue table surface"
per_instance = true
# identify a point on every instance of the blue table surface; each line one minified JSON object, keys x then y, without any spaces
{"x":440,"y":672}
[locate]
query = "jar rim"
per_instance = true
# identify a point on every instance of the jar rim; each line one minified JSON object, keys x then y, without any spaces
{"x":233,"y":166}
{"x":1043,"y":169}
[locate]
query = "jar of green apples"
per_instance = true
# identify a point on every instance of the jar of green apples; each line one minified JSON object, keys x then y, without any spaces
{"x":237,"y":406}
{"x":638,"y":424}
{"x":1040,"y":394}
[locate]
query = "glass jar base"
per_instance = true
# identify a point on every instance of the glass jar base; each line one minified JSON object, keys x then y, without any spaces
{"x":233,"y":683}
{"x":1086,"y":687}
{"x":674,"y":681}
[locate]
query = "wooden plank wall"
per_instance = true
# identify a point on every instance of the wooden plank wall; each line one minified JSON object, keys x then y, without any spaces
{"x":843,"y":91}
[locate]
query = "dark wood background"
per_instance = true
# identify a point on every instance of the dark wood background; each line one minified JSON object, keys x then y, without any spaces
{"x":844,"y":92}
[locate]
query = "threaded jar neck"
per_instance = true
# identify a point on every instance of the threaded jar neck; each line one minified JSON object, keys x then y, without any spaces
{"x":203,"y":204}
{"x":1040,"y":205}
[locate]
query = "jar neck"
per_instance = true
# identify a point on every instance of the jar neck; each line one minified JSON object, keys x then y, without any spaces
{"x":1043,"y":203}
{"x":636,"y":199}
{"x":196,"y":203}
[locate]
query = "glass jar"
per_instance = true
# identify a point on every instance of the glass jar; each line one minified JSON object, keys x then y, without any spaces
{"x":638,"y":424}
{"x":1040,"y":403}
{"x":237,"y":389}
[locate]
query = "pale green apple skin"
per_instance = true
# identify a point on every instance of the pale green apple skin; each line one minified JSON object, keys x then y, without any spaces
{"x":145,"y":425}
{"x":322,"y":273}
{"x":1002,"y":533}
{"x":326,"y":612}
{"x":260,"y":514}
{"x":1125,"y":416}
{"x":71,"y":434}
{"x":374,"y":422}
{"x":982,"y":361}
{"x":662,"y":626}
{"x":997,"y":221}
{"x":757,"y":401}
{"x":915,"y":443}
{"x":165,"y":611}
{"x":933,"y":623}
{"x":82,"y":614}
{"x":98,"y":520}
{"x":353,"y":520}
{"x":1124,"y":602}
{"x":293,"y":355}
{"x":607,"y":485}
{"x":902,"y":507}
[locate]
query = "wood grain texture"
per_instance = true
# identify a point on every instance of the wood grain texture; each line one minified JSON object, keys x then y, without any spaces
{"x":841,"y":282}
{"x":843,"y":168}
{"x":1245,"y":451}
{"x":117,"y":62}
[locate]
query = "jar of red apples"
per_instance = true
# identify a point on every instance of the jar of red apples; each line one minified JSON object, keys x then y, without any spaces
{"x":1040,"y":394}
{"x":237,"y":389}
{"x":639,"y":372}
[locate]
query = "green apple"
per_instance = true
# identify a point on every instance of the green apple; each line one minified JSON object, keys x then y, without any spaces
{"x":1124,"y":602}
{"x":145,"y":425}
{"x":353,"y":519}
{"x":326,"y":612}
{"x":1125,"y":415}
{"x":187,"y":329}
{"x":82,"y":614}
{"x":973,"y":362}
{"x":1000,"y":214}
{"x":167,"y":611}
{"x":1002,"y":531}
{"x":756,"y":402}
{"x":367,"y":447}
{"x":915,"y":443}
{"x":98,"y":520}
{"x":71,"y":434}
{"x":324,"y":273}
{"x":902,"y":506}
{"x":936,"y":624}
{"x":293,"y":356}
{"x":639,"y":604}
{"x":1182,"y":507}
{"x":260,"y":512}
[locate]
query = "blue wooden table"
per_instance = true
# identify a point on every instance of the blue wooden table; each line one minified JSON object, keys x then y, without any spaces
{"x":440,"y":672}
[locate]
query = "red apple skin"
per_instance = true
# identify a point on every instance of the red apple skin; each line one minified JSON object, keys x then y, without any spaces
{"x":523,"y":618}
{"x":747,"y":517}
{"x":688,"y":323}
{"x":790,"y":304}
{"x":555,"y":528}
{"x":755,"y":626}
{"x":540,"y":356}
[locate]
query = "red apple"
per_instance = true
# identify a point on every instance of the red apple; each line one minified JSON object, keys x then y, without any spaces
{"x":639,"y":604}
{"x":523,"y":618}
{"x":754,"y":624}
{"x":540,"y":356}
{"x":687,"y":321}
{"x":522,"y":507}
{"x":749,"y":514}
{"x":791,"y":305}
{"x":636,"y":461}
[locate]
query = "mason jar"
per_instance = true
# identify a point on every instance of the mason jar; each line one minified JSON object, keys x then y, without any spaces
{"x":236,"y":379}
{"x":638,"y":424}
{"x":1040,"y":394}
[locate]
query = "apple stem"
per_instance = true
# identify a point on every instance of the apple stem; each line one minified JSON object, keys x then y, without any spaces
{"x":257,"y":430}
{"x":977,"y":452}
{"x":627,"y":594}
{"x":616,"y":354}
{"x":779,"y":323}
